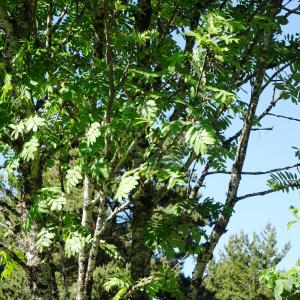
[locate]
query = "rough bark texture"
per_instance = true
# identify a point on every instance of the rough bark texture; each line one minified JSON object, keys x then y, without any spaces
{"x":99,"y":24}
{"x":19,"y":24}
{"x":85,"y":222}
{"x":91,"y":263}
{"x":40,"y":280}
{"x":140,"y":253}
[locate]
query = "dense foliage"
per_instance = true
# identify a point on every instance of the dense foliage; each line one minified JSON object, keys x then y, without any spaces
{"x":284,"y":284}
{"x":235,"y":276}
{"x":113,"y":114}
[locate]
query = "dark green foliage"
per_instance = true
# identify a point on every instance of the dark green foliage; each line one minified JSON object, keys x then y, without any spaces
{"x":235,"y":275}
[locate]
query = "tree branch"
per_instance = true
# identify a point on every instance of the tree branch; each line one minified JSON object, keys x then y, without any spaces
{"x":8,"y":193}
{"x":60,"y":19}
{"x":276,"y":73}
{"x":13,"y":255}
{"x":262,"y":193}
{"x":9,"y":207}
{"x":262,"y":129}
{"x":258,"y":172}
{"x":284,"y":117}
{"x":109,"y":65}
{"x":116,"y":211}
{"x":237,"y":167}
{"x":295,"y":11}
{"x":272,"y":104}
{"x":200,"y":181}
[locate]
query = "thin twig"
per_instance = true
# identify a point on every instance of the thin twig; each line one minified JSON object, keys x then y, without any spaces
{"x":258,"y":172}
{"x":260,"y":117}
{"x":60,"y":19}
{"x":200,"y":181}
{"x":284,"y":117}
{"x":262,"y":129}
{"x":295,"y":11}
{"x":275,"y":74}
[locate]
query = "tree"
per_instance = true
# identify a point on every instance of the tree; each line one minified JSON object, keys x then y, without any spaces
{"x":284,"y":284}
{"x":106,"y":122}
{"x":236,"y":273}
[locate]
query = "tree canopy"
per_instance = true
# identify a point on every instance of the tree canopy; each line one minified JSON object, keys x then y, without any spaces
{"x":113,"y":115}
{"x":235,"y":275}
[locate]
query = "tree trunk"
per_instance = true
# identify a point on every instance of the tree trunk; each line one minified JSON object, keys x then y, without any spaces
{"x":41,"y":282}
{"x":39,"y":275}
{"x":83,"y":255}
{"x":91,"y":263}
{"x":140,"y":253}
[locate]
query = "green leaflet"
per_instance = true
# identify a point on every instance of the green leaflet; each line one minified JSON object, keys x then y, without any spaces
{"x":121,"y":280}
{"x":127,"y":184}
{"x":284,"y":181}
{"x":17,"y":130}
{"x":75,"y":241}
{"x":45,"y":238}
{"x":57,"y":204}
{"x":199,"y":139}
{"x":34,"y":122}
{"x":111,"y":250}
{"x":149,"y":110}
{"x":73,"y":177}
{"x":8,"y":263}
{"x":93,"y":133}
{"x":6,"y":87}
{"x":29,"y":149}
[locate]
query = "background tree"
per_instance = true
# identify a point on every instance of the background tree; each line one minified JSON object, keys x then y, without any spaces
{"x":109,"y":127}
{"x":235,"y":275}
{"x":284,"y":284}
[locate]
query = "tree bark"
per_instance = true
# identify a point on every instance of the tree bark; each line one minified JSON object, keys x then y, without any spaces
{"x":19,"y":23}
{"x":140,"y":253}
{"x":83,"y":255}
{"x":91,"y":263}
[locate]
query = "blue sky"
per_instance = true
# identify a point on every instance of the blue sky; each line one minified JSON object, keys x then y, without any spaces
{"x":267,"y":150}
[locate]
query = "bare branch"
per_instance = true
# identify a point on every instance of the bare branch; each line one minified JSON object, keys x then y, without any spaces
{"x":258,"y":172}
{"x":284,"y":117}
{"x":60,"y":19}
{"x":263,"y":129}
{"x":132,"y":290}
{"x":295,"y":11}
{"x":8,"y":193}
{"x":262,"y":193}
{"x":275,"y":74}
{"x":116,"y":211}
{"x":271,"y":105}
{"x":199,"y":183}
{"x":49,"y":25}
